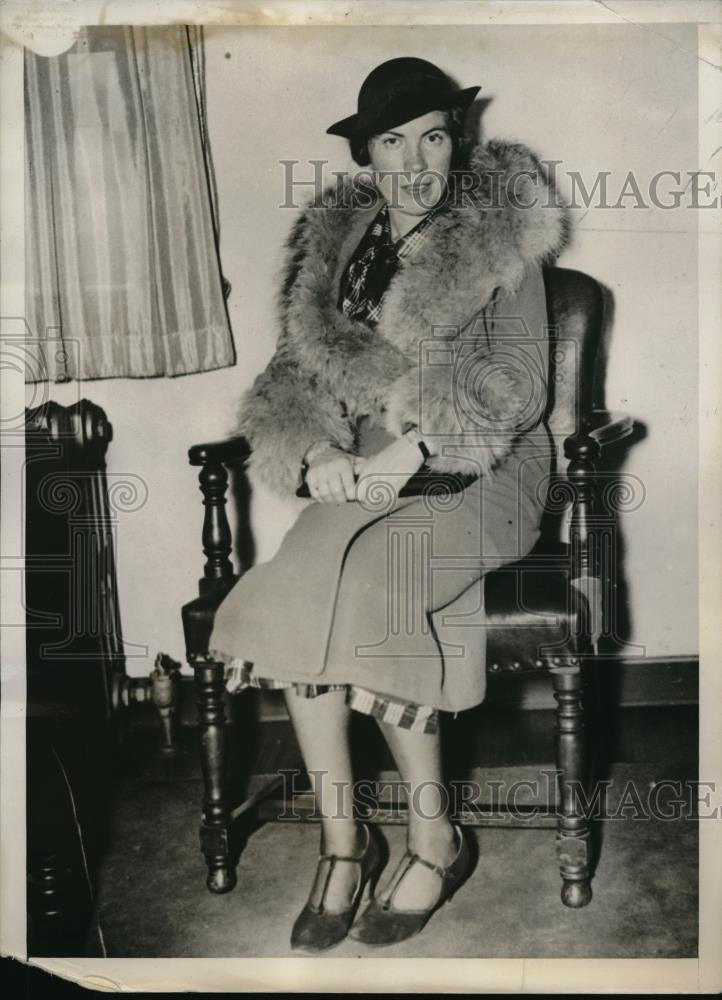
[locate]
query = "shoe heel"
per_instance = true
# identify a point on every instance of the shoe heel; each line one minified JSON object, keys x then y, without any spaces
{"x":370,"y":887}
{"x":454,"y":892}
{"x":473,"y":858}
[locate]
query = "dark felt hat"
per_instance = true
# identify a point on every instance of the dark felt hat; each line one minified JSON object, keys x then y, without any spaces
{"x":398,"y":91}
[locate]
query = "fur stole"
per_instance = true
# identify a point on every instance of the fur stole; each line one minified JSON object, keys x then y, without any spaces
{"x":328,"y":370}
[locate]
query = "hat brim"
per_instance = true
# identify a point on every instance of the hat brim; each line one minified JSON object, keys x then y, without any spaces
{"x":400,"y":112}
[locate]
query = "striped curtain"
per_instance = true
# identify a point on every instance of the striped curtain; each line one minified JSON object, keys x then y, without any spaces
{"x":122,"y":269}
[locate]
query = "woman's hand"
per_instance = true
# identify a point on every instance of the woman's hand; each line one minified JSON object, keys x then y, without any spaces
{"x":392,"y":467}
{"x":330,"y":476}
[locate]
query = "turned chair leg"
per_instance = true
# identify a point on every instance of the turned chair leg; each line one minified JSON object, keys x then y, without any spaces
{"x":573,"y":839}
{"x":215,"y":822}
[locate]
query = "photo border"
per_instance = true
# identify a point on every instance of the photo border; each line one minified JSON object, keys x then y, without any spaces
{"x":21,"y":22}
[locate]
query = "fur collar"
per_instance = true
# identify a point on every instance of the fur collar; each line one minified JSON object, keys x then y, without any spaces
{"x":329,"y":369}
{"x":479,"y":247}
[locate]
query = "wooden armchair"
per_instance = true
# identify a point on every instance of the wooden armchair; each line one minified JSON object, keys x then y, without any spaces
{"x":544,"y":613}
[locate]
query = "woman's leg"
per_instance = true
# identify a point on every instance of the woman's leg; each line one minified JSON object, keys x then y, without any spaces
{"x":322,"y":729}
{"x":431,"y":835}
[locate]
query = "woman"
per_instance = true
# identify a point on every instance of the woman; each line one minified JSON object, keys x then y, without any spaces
{"x":412,"y":333}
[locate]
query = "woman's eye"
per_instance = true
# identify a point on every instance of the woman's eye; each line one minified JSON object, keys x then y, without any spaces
{"x":390,"y":140}
{"x":435,"y":138}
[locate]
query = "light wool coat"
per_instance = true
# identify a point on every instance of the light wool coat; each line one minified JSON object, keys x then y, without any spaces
{"x":324,"y":609}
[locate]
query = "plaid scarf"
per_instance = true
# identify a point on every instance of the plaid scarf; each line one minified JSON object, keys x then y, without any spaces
{"x":374,"y":263}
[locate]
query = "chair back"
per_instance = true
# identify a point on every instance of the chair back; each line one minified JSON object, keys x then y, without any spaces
{"x":575,"y":309}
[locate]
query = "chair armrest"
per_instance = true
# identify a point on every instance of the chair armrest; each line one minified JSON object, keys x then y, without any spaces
{"x":608,"y":426}
{"x":218,"y":452}
{"x":601,"y":428}
{"x":213,"y":478}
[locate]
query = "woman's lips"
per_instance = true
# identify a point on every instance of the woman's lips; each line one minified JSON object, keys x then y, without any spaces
{"x":416,"y":188}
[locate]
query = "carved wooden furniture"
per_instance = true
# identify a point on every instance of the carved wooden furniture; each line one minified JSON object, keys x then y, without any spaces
{"x":69,"y":547}
{"x":74,"y":663}
{"x":77,"y":687}
{"x":545,"y":613}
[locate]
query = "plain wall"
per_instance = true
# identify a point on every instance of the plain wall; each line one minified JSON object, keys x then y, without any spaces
{"x":613,"y":98}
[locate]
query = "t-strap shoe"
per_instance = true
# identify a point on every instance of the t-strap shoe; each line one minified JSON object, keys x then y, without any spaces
{"x":381,"y":923}
{"x":316,"y":928}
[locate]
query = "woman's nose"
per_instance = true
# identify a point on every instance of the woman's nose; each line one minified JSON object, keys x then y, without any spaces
{"x":415,"y":159}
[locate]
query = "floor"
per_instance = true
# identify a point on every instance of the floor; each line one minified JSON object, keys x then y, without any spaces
{"x":152,"y":900}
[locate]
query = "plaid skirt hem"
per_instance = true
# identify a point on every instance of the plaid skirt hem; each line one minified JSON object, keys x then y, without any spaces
{"x":406,"y":715}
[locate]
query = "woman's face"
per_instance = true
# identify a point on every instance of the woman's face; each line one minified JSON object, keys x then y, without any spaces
{"x":412,"y":162}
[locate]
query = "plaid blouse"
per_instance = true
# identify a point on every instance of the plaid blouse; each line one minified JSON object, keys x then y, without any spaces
{"x":375,"y":262}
